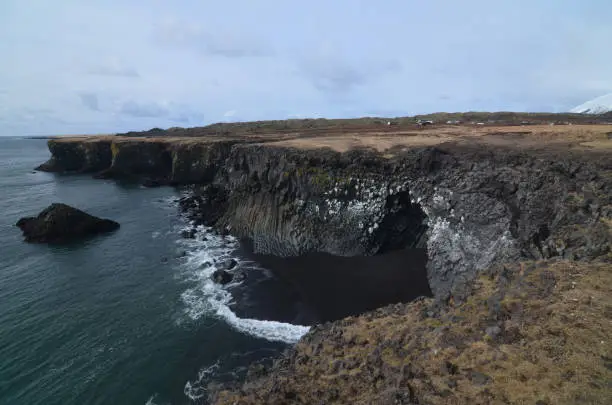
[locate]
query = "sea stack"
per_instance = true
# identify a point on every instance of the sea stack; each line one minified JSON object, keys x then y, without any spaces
{"x":61,"y":223}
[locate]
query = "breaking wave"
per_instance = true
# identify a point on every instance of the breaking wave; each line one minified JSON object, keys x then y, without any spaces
{"x":207,"y":298}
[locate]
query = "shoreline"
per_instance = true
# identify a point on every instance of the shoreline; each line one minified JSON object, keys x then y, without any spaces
{"x":337,"y":287}
{"x":482,"y":200}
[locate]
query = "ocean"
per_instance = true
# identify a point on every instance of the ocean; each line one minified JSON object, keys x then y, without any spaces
{"x":126,"y":318}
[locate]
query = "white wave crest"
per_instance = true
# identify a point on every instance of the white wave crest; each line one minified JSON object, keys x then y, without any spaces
{"x":206,"y":297}
{"x":269,"y":330}
{"x":196,"y":390}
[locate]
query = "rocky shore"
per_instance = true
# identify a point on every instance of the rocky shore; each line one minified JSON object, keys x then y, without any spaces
{"x":508,"y":215}
{"x":532,"y":333}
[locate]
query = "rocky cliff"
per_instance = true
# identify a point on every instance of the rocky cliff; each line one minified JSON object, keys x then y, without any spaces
{"x":477,"y":199}
{"x":166,"y":161}
{"x":470,"y":203}
{"x":470,"y":207}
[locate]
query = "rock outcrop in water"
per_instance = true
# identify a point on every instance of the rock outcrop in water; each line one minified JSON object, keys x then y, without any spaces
{"x":222,"y":276}
{"x":60,"y":223}
{"x":484,"y":202}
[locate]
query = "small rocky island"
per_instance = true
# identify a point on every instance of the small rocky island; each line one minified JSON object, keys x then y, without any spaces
{"x":513,"y":212}
{"x":61,"y":223}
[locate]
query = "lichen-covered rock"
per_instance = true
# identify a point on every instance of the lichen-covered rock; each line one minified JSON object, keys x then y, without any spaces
{"x":60,"y":223}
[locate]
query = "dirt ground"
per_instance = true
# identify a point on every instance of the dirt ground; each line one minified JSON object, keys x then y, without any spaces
{"x":582,"y":137}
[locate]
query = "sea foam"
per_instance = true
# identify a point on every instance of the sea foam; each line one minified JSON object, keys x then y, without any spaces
{"x":207,"y":298}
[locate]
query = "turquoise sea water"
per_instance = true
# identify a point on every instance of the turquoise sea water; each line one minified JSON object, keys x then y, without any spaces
{"x":118,"y":319}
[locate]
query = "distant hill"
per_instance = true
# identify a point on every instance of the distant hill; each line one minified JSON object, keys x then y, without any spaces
{"x":321,"y":125}
{"x":599,"y":105}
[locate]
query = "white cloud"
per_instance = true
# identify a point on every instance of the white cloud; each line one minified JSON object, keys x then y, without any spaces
{"x":229,"y":113}
{"x":217,"y":41}
{"x":143,"y":109}
{"x":111,"y":66}
{"x":331,"y":71}
{"x":114,"y":71}
{"x":90,"y":100}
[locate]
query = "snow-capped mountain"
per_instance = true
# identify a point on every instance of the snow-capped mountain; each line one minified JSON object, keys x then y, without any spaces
{"x":599,"y":105}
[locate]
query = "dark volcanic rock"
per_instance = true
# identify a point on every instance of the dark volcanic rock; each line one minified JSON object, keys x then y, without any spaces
{"x":207,"y":204}
{"x":77,"y":156}
{"x":229,"y":264}
{"x":470,"y":206}
{"x":225,"y":272}
{"x":477,"y":206}
{"x":189,"y":234}
{"x":61,"y":223}
{"x":222,"y":276}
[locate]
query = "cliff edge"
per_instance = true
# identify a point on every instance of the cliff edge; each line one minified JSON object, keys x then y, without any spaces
{"x":504,"y":207}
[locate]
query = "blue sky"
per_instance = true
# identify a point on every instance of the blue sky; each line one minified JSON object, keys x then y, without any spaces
{"x":105,"y":66}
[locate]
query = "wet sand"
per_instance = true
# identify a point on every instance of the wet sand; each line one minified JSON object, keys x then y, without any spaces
{"x":319,"y":287}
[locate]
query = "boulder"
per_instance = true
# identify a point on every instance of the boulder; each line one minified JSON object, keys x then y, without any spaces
{"x":222,"y":277}
{"x":60,"y":223}
{"x":229,"y":264}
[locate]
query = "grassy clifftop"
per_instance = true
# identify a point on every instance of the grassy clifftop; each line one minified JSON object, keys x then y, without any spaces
{"x":314,"y":126}
{"x":534,"y":332}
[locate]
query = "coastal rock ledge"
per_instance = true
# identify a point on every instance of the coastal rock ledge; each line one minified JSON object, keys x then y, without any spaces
{"x":514,"y":217}
{"x":60,"y":223}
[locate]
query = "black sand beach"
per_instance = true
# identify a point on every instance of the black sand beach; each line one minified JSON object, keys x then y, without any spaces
{"x":330,"y":287}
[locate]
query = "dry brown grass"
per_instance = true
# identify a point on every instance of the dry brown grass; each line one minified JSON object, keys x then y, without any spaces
{"x":534,"y":136}
{"x":379,"y":142}
{"x":553,"y":346}
{"x":586,"y":137}
{"x":562,"y":337}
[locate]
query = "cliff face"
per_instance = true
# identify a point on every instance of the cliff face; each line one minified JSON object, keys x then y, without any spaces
{"x":78,"y":155}
{"x":167,"y":161}
{"x":470,"y":206}
{"x":197,"y":163}
{"x":518,"y":231}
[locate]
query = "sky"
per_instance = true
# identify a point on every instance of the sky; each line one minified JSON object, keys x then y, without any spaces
{"x":105,"y":66}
